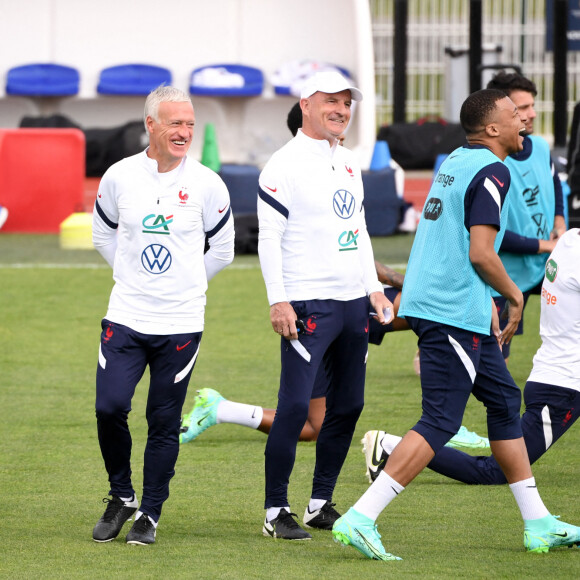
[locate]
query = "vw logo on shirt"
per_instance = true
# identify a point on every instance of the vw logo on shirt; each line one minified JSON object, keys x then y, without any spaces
{"x":344,"y":204}
{"x":156,"y":259}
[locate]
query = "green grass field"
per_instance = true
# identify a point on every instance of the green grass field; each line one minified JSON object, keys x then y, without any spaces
{"x":52,"y":478}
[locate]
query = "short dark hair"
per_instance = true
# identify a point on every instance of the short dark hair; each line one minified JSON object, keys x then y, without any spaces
{"x":294,"y":120}
{"x":508,"y":82}
{"x":478,"y":108}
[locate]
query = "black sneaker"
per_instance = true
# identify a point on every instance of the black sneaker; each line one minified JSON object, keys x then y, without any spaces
{"x":142,"y":532}
{"x":323,"y":519}
{"x":285,"y":526}
{"x":375,"y":456}
{"x":116,"y":514}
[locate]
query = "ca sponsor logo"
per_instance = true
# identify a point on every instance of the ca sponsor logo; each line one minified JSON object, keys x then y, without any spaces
{"x":157,"y":224}
{"x":433,"y":209}
{"x":551,"y":270}
{"x":348,"y":241}
{"x":344,"y":204}
{"x":156,"y":259}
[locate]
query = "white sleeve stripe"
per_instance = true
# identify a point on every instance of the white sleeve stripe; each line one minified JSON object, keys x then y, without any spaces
{"x":490,"y":186}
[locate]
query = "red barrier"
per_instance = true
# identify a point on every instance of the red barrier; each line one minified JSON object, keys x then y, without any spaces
{"x":42,"y":174}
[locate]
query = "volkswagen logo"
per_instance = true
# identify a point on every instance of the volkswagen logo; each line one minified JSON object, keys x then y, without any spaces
{"x":156,"y":259}
{"x":344,"y":204}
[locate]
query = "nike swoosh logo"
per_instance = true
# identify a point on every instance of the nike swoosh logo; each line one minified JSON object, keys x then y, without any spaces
{"x":499,"y":182}
{"x":377,"y":453}
{"x":369,"y":545}
{"x":222,"y":210}
{"x":564,"y":535}
{"x":182,"y":347}
{"x":575,"y":202}
{"x":272,"y":190}
{"x":202,"y":419}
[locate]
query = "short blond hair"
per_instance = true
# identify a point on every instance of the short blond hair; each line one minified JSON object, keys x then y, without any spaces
{"x":162,"y":94}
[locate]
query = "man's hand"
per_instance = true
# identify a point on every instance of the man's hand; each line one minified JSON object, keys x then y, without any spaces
{"x":382,"y":304}
{"x":547,"y":246}
{"x":283,"y":319}
{"x":559,"y":227}
{"x":514,"y":309}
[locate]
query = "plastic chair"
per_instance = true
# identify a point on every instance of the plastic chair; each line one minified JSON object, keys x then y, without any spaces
{"x":42,"y":80}
{"x":132,"y":79}
{"x":227,"y":80}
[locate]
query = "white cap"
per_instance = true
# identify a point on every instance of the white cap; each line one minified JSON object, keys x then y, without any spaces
{"x":329,"y":82}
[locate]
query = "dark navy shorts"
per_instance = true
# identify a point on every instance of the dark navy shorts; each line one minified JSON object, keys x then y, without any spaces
{"x":454,"y":364}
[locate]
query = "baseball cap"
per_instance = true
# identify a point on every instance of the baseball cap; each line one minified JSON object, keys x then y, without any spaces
{"x":329,"y":82}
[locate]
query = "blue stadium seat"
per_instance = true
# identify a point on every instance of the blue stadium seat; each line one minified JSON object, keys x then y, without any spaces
{"x":296,"y":72}
{"x":227,"y":80}
{"x":132,"y":79}
{"x":42,"y":80}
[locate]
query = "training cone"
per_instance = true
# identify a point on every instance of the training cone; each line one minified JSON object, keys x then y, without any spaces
{"x":381,"y":156}
{"x":210,"y":155}
{"x":76,"y":232}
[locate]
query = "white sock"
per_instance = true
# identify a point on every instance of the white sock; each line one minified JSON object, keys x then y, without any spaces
{"x":315,"y":504}
{"x":389,"y":442}
{"x":240,"y":414}
{"x":272,"y":513}
{"x":528,"y":499}
{"x":140,"y":513}
{"x":378,"y":496}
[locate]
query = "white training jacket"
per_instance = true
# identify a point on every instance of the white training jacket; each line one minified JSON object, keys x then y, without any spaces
{"x":557,"y":361}
{"x":313,"y":240}
{"x":151,"y":228}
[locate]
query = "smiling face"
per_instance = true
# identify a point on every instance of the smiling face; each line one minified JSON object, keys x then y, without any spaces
{"x":326,"y":115}
{"x":171,"y":134}
{"x":524,"y":101}
{"x":509,"y":126}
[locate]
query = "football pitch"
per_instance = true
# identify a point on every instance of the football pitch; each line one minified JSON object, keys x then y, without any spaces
{"x":52,"y":478}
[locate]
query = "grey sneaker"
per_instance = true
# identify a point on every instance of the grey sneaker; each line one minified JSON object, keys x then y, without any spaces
{"x":143,"y":531}
{"x":323,"y":518}
{"x":284,"y":526}
{"x":116,"y":514}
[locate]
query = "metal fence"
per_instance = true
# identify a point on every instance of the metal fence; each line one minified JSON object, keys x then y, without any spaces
{"x":516,"y":27}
